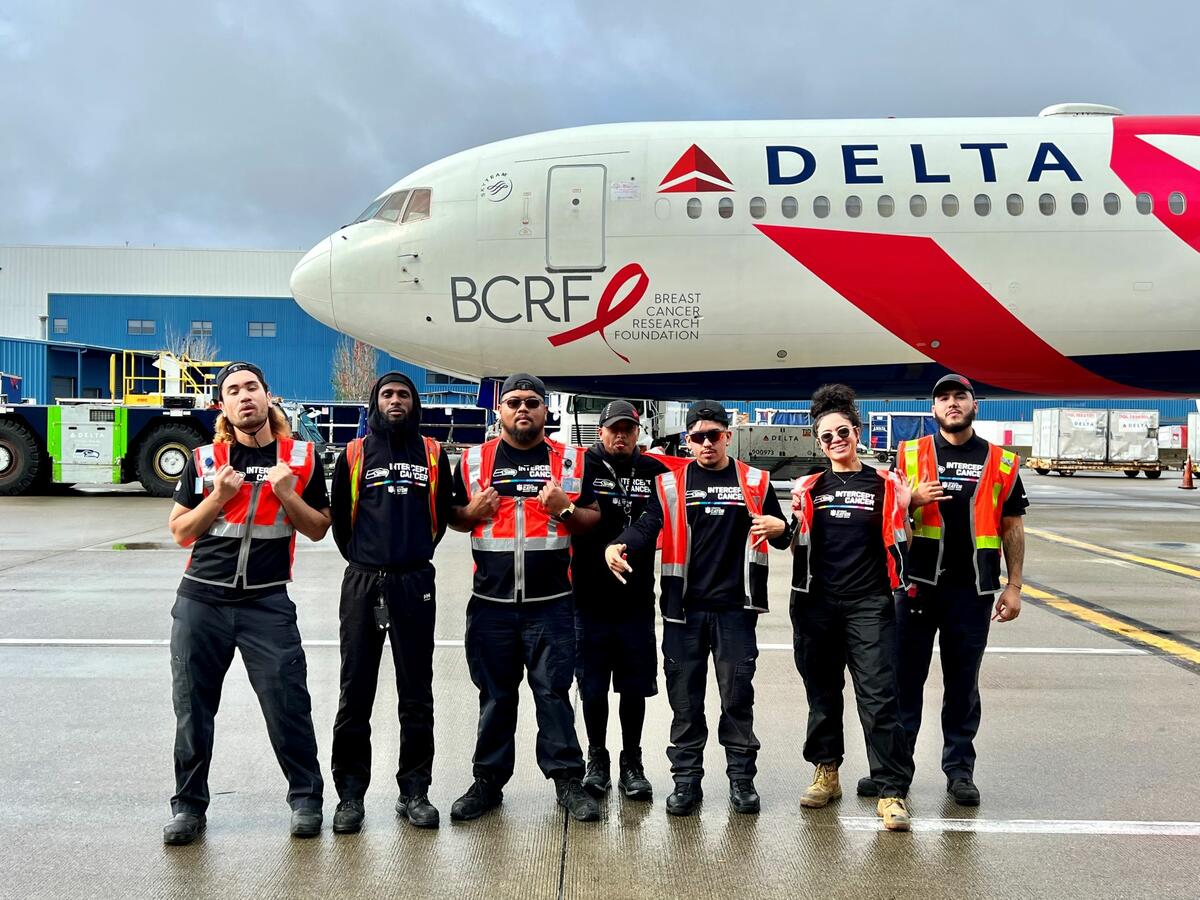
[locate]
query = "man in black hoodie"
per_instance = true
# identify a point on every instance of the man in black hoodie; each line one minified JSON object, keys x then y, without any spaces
{"x":391,"y":499}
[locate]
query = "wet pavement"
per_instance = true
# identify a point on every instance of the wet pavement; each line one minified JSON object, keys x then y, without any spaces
{"x":1087,"y":755}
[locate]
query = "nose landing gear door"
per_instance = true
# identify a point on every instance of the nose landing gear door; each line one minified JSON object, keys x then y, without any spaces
{"x":575,"y":199}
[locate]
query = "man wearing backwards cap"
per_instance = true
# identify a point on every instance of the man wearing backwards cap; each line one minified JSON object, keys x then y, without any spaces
{"x":718,"y":514}
{"x":967,"y":504}
{"x":238,"y":505}
{"x":391,"y":502}
{"x":522,"y":496}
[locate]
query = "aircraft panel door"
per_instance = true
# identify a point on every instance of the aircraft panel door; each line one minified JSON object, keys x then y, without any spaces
{"x":575,"y":218}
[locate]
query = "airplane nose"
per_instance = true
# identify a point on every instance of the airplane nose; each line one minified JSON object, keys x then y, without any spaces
{"x":310,"y":283}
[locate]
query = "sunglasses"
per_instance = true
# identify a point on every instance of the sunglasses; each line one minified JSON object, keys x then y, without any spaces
{"x":527,"y":402}
{"x":713,"y":435}
{"x":843,"y":433}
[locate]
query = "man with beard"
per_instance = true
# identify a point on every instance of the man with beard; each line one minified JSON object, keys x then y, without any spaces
{"x":967,"y":504}
{"x":522,"y":496}
{"x":391,"y":502}
{"x":238,"y":505}
{"x":614,"y":622}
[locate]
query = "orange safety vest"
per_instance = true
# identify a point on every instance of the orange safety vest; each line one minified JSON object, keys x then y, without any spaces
{"x":918,"y":461}
{"x":251,"y":538}
{"x":354,"y":459}
{"x":520,"y":527}
{"x":894,"y":532}
{"x":677,"y":539}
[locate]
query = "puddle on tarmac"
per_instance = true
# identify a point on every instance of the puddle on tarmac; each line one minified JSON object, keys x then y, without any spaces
{"x":145,"y":545}
{"x":1174,"y":546}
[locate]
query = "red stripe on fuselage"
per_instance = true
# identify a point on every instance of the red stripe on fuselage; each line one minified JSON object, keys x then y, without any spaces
{"x":1146,"y":169}
{"x":915,"y":290}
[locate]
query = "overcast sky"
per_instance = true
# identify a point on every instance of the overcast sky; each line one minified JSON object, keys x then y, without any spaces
{"x":268,"y":124}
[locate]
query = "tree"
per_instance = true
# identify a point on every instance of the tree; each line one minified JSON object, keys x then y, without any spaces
{"x":355,"y":368}
{"x":196,"y":347}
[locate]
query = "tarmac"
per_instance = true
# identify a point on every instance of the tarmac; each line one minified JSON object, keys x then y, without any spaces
{"x":1087,"y":754}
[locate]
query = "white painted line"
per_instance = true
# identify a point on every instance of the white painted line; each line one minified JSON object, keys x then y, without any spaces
{"x":1033,"y":651}
{"x":1031,"y":826}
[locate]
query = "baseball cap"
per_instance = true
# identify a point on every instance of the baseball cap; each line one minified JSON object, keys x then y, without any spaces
{"x":958,"y":380}
{"x":707,"y":411}
{"x":523,"y":381}
{"x":231,"y":369}
{"x":617,"y":411}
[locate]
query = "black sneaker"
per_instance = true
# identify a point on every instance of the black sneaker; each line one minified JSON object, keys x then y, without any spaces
{"x":184,"y":828}
{"x":684,"y":800}
{"x":963,"y":791}
{"x":306,"y":822}
{"x":597,"y":780}
{"x":575,"y":800}
{"x":743,"y":796}
{"x":479,"y":798}
{"x":348,"y":817}
{"x":633,"y":781}
{"x":867,"y":787}
{"x":418,"y":810}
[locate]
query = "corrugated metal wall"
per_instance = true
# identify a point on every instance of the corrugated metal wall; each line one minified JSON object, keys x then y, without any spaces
{"x":27,"y":359}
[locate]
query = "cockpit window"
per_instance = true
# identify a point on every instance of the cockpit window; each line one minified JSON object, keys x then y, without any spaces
{"x":392,"y":207}
{"x":418,"y":206}
{"x":370,"y":211}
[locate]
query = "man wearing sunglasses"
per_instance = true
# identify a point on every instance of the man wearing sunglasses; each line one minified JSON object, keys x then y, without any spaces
{"x":716,"y":517}
{"x":967,"y":508}
{"x":522,"y":496}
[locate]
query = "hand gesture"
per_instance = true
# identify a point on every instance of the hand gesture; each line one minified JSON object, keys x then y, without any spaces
{"x":282,"y":480}
{"x":904,"y":493}
{"x":1008,"y":606}
{"x":484,"y":505}
{"x":552,"y":497}
{"x":766,"y":527}
{"x":227,"y":482}
{"x":929,"y":492}
{"x":614,"y":555}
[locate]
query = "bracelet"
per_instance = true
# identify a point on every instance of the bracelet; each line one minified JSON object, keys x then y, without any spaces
{"x":1017,"y":586}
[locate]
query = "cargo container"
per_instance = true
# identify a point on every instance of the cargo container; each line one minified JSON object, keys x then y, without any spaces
{"x":1076,"y":435}
{"x":1132,"y":435}
{"x":1067,"y":441}
{"x":1193,"y":439}
{"x":888,"y":430}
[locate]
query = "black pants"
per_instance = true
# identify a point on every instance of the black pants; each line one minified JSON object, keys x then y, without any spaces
{"x":504,"y":642}
{"x":729,"y":635}
{"x":411,"y":606}
{"x":831,"y":633}
{"x":961,"y":618}
{"x":203,"y":638}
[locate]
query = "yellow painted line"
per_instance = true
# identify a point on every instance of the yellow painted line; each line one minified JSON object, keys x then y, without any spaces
{"x":1162,"y":564}
{"x":1116,"y":626}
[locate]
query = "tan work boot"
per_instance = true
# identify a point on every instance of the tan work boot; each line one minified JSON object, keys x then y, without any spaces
{"x":894,"y":814}
{"x":825,"y":787}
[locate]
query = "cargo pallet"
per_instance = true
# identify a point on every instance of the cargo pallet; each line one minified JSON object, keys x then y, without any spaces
{"x":1070,"y":466}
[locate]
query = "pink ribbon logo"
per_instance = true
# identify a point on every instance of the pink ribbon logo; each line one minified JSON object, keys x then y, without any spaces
{"x":606,"y":313}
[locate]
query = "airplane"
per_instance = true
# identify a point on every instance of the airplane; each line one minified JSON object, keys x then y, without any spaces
{"x":1054,"y":256}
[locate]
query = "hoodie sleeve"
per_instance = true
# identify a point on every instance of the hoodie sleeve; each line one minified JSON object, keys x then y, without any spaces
{"x":339,"y":496}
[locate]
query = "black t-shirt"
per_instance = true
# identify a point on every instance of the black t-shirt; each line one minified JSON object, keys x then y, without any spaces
{"x":959,"y":468}
{"x":392,"y":528}
{"x":623,"y":489}
{"x":848,"y":557}
{"x":254,"y":463}
{"x":720,"y":524}
{"x":522,"y":473}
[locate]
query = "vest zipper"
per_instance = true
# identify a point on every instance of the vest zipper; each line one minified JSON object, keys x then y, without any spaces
{"x":519,"y":552}
{"x":244,"y":550}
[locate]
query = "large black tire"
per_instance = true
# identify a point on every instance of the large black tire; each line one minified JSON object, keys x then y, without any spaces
{"x":21,"y":460}
{"x":1153,"y":473}
{"x":1042,"y":471}
{"x":1131,"y":473}
{"x":163,"y":455}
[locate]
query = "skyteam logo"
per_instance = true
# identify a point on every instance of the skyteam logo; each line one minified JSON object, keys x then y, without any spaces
{"x":496,"y":187}
{"x":694,"y":172}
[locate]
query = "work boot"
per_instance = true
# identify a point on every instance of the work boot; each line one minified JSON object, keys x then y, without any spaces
{"x":894,"y":813}
{"x":684,"y":800}
{"x":824,"y":788}
{"x":633,"y":782}
{"x":743,"y":796}
{"x":184,"y":828}
{"x":574,"y":799}
{"x":868,"y":787}
{"x":963,"y":791}
{"x":348,"y":817}
{"x":306,"y":822}
{"x":479,"y":798}
{"x":597,"y":780}
{"x":418,"y":810}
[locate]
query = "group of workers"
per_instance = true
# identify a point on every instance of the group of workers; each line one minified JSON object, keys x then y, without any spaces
{"x":564,"y":543}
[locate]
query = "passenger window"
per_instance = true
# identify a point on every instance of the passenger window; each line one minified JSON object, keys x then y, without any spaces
{"x":1112,"y":204}
{"x":886,"y":205}
{"x":725,"y":207}
{"x":983,"y":204}
{"x":694,"y":207}
{"x":1079,"y":204}
{"x":950,"y":205}
{"x":1177,"y":203}
{"x":820,"y":207}
{"x":392,"y":207}
{"x":789,"y":206}
{"x":917,"y":205}
{"x":1145,"y":203}
{"x":758,"y":207}
{"x":1015,"y":204}
{"x":418,"y":206}
{"x":853,"y":206}
{"x":1046,"y":205}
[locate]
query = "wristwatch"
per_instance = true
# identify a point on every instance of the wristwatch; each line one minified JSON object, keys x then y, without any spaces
{"x":566,"y":513}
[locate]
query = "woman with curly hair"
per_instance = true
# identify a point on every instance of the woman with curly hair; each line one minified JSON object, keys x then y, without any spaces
{"x":850,"y":526}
